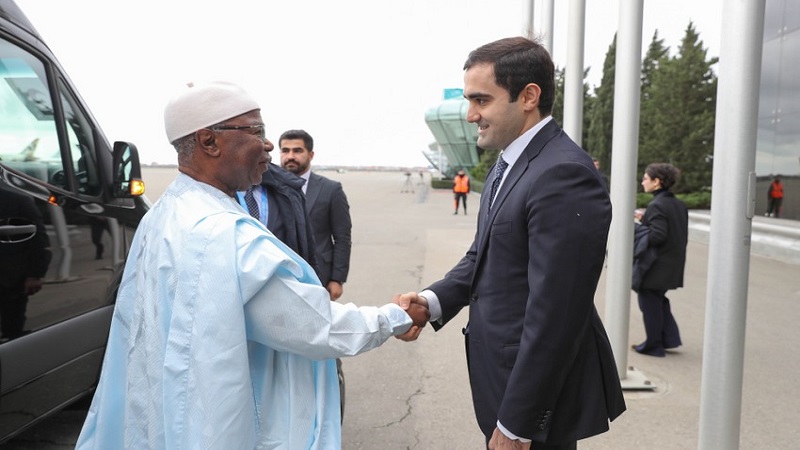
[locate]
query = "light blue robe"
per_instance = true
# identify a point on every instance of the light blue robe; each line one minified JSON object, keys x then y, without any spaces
{"x":222,"y":337}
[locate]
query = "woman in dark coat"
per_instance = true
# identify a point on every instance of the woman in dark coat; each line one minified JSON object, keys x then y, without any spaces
{"x":668,"y":220}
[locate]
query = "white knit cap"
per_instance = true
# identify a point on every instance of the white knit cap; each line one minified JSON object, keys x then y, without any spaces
{"x":203,"y":104}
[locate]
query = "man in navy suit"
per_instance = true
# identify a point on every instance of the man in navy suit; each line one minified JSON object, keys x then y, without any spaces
{"x":328,"y":211}
{"x":541,"y":368}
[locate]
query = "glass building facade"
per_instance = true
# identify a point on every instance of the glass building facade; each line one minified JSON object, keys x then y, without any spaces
{"x":778,"y":141}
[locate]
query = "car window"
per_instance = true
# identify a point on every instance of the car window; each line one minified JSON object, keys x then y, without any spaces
{"x":85,"y":250}
{"x":29,"y":139}
{"x":81,"y":144}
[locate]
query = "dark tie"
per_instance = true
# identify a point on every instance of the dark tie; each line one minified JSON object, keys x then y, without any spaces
{"x":499,"y":167}
{"x":252,"y":205}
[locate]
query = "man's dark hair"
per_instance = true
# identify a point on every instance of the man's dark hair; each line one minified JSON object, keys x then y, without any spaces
{"x":298,"y":134}
{"x":518,"y":61}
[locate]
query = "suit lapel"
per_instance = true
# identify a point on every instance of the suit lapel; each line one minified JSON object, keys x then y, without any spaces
{"x":531,"y":151}
{"x":312,"y":191}
{"x":272,"y":205}
{"x":515,"y":173}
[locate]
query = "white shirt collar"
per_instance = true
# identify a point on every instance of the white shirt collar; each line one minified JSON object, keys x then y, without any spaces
{"x":306,"y":177}
{"x":515,"y":148}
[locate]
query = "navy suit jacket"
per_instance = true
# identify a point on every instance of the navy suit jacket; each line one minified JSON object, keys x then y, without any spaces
{"x":329,"y":213}
{"x":538,"y":355}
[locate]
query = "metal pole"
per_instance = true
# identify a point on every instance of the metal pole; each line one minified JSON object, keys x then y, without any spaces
{"x":732,"y":209}
{"x":624,"y":152}
{"x":547,"y":24}
{"x":573,"y":78}
{"x":528,"y":14}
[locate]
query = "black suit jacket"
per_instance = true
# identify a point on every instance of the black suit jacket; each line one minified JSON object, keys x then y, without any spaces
{"x":668,"y":220}
{"x":538,"y":355}
{"x":288,"y":215}
{"x":330,"y":219}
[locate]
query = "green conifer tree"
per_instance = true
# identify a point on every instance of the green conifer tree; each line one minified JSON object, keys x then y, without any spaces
{"x":601,"y":115}
{"x":678,"y":111}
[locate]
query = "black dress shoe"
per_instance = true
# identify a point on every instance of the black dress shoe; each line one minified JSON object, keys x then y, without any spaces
{"x":660,"y":353}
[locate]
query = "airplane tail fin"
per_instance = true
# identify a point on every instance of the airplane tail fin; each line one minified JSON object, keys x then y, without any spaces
{"x":29,"y":152}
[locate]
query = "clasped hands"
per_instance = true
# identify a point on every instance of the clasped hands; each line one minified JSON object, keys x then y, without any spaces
{"x":417,"y":308}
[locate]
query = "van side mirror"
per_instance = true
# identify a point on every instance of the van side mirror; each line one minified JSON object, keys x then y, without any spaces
{"x":127,"y":171}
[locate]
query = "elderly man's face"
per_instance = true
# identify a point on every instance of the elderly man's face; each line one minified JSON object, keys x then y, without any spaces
{"x":245,"y":150}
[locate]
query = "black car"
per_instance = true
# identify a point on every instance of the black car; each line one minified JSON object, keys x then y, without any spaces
{"x":69,"y":205}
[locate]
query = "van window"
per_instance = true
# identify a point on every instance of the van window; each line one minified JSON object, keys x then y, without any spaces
{"x":29,"y":139}
{"x":81,"y":144}
{"x":87,"y":250}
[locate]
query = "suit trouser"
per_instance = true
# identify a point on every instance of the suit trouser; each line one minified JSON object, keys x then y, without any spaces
{"x":659,"y":323}
{"x":570,"y":446}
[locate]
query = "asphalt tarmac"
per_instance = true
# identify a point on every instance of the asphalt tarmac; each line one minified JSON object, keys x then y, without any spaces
{"x":416,"y":395}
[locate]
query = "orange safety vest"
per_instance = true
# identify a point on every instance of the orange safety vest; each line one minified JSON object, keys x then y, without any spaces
{"x":776,"y":190}
{"x":461,"y":184}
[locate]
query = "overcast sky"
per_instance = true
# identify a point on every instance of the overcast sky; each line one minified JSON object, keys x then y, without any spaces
{"x":358,"y":75}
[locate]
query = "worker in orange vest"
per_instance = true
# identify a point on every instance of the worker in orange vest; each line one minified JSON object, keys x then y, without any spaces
{"x":774,"y":197}
{"x":461,"y":189}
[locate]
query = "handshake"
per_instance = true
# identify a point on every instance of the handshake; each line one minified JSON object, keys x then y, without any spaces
{"x":417,"y":308}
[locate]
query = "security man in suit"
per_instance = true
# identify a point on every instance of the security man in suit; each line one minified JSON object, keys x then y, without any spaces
{"x":541,"y":368}
{"x":328,"y":211}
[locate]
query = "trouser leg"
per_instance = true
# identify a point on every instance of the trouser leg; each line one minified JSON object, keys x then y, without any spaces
{"x":670,"y":336}
{"x":651,"y":305}
{"x":97,"y":239}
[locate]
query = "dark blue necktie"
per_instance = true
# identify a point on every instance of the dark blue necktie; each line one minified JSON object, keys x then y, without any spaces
{"x":499,"y":168}
{"x":252,"y":205}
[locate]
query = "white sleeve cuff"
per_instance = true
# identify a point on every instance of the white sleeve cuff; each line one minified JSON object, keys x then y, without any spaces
{"x":511,"y":435}
{"x":434,"y":306}
{"x":399,"y":320}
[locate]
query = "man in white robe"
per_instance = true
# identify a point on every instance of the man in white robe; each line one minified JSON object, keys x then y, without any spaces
{"x":222,"y":337}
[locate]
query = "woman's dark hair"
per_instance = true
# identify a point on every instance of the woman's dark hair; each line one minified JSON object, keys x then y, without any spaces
{"x":667,"y":173}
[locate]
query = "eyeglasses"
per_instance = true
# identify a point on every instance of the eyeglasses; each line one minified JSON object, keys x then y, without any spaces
{"x":262,"y":134}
